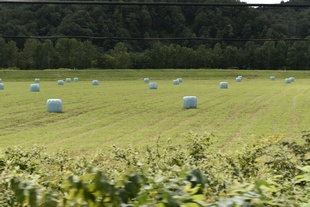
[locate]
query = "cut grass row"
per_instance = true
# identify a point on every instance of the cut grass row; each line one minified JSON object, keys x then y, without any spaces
{"x":156,"y":74}
{"x":126,"y":113}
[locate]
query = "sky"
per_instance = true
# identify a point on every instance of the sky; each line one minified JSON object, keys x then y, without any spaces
{"x":262,"y":1}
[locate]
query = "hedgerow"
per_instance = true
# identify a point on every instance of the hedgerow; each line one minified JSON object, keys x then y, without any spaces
{"x":270,"y":173}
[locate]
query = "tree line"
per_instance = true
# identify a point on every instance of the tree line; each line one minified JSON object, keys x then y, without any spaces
{"x":71,"y":53}
{"x":222,"y":23}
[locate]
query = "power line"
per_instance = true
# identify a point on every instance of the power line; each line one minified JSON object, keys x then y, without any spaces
{"x":111,"y":3}
{"x":158,"y":38}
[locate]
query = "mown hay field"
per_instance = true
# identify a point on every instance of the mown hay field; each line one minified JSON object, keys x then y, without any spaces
{"x":125,"y":112}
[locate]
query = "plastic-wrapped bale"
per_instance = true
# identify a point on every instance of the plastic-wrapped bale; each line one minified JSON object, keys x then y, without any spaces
{"x":176,"y":82}
{"x":68,"y":80}
{"x":272,"y":77}
{"x":54,"y":105}
{"x":153,"y":85}
{"x":240,"y":76}
{"x":223,"y":85}
{"x":1,"y":86}
{"x":189,"y":102}
{"x":238,"y":79}
{"x":180,"y":80}
{"x":146,"y":80}
{"x":288,"y":80}
{"x":76,"y":79}
{"x":37,"y":80}
{"x":292,"y":79}
{"x":0,"y":80}
{"x":95,"y":82}
{"x":34,"y":87}
{"x":60,"y":82}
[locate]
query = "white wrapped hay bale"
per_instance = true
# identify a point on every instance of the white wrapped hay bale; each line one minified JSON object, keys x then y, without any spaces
{"x":176,"y":82}
{"x":153,"y":85}
{"x":54,"y":105}
{"x":1,"y":86}
{"x":292,"y":79}
{"x":272,"y":77}
{"x":238,"y":79}
{"x":180,"y":80}
{"x":37,"y":80}
{"x":288,"y":80}
{"x":34,"y":87}
{"x":68,"y":80}
{"x":146,"y":80}
{"x":223,"y":85}
{"x":189,"y":102}
{"x":0,"y":80}
{"x":240,"y":76}
{"x":95,"y":82}
{"x":76,"y":79}
{"x":60,"y":82}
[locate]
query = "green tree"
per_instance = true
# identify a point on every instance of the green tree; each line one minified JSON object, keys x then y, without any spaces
{"x":11,"y":54}
{"x":45,"y":56}
{"x":67,"y":52}
{"x":203,"y":57}
{"x":270,"y":54}
{"x":249,"y":55}
{"x":231,"y":57}
{"x":118,"y":58}
{"x":298,"y":56}
{"x":281,"y":48}
{"x":87,"y":55}
{"x":8,"y":54}
{"x":184,"y":57}
{"x":79,"y":23}
{"x":217,"y":56}
{"x":26,"y":59}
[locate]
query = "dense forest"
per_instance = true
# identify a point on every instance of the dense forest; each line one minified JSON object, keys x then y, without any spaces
{"x":122,"y":36}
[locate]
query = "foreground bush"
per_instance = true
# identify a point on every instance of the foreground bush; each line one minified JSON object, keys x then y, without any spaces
{"x":269,"y":173}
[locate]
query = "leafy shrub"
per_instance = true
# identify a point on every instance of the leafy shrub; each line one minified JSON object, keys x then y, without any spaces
{"x":269,"y":173}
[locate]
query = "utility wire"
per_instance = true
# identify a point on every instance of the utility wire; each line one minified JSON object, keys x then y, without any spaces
{"x":111,"y":3}
{"x":157,"y":38}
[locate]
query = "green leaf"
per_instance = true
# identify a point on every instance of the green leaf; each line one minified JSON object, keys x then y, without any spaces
{"x":143,"y":199}
{"x":199,"y":197}
{"x":159,"y":179}
{"x":88,"y":177}
{"x":190,"y":205}
{"x":305,"y":169}
{"x":190,"y":190}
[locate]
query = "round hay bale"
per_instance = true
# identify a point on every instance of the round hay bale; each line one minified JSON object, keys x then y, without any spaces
{"x":54,"y":105}
{"x":238,"y":79}
{"x":0,"y":80}
{"x":60,"y":82}
{"x":37,"y":80}
{"x":189,"y":102}
{"x":223,"y":85}
{"x":292,"y":79}
{"x":288,"y":80}
{"x":153,"y":85}
{"x":180,"y":80}
{"x":1,"y":86}
{"x":176,"y":82}
{"x":272,"y":77}
{"x":76,"y":79}
{"x":34,"y":87}
{"x":146,"y":80}
{"x":95,"y":82}
{"x":68,"y":80}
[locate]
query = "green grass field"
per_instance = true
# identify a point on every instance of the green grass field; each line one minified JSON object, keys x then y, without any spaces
{"x":123,"y":111}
